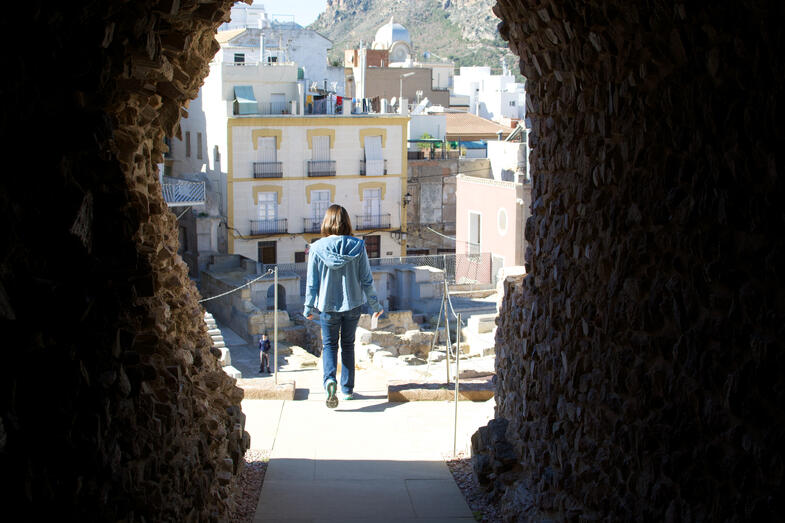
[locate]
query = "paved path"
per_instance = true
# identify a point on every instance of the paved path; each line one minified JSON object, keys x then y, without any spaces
{"x":367,"y":460}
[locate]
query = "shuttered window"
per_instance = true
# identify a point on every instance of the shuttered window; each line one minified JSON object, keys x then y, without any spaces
{"x":321,"y":148}
{"x":374,"y":159}
{"x":267,"y":149}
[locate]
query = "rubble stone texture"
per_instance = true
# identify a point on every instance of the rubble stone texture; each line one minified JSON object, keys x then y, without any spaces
{"x":640,"y":362}
{"x":112,"y":405}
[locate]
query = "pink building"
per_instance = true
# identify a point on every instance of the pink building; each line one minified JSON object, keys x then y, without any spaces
{"x":490,"y":219}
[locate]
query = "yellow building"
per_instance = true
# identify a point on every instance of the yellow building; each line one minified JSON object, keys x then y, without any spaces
{"x":283,"y":173}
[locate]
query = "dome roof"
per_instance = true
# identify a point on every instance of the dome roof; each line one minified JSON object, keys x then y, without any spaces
{"x":390,"y":33}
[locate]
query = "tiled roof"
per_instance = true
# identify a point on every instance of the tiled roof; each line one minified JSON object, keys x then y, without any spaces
{"x":223,"y":37}
{"x":469,"y":126}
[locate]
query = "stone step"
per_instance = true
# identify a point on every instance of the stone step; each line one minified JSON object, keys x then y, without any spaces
{"x":217,"y":337}
{"x":234,"y":373}
{"x":219,"y":344}
{"x":211,"y":325}
{"x":226,"y":357}
{"x":212,"y":332}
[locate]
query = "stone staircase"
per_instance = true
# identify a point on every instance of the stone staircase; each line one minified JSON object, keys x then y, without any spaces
{"x":220,"y":344}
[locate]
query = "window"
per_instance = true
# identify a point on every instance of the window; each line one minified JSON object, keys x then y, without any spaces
{"x":374,"y":159}
{"x":320,"y":201}
{"x":501,"y":219}
{"x":199,"y":146}
{"x":372,"y":209}
{"x":373,"y":245}
{"x":299,"y":257}
{"x":268,"y":205}
{"x":512,"y":103}
{"x":321,"y":148}
{"x":187,"y":144}
{"x":239,"y":58}
{"x":267,"y":164}
{"x":474,"y":233}
{"x":266,"y":252}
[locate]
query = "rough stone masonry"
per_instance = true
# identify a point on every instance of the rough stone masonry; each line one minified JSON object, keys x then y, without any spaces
{"x":640,"y":363}
{"x":113,"y":407}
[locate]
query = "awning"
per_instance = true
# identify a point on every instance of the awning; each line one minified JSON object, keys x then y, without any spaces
{"x":244,"y":100}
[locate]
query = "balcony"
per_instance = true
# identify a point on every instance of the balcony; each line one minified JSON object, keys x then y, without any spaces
{"x":180,"y":193}
{"x":275,"y":107}
{"x":367,"y":222}
{"x":373,"y":164}
{"x":321,"y":168}
{"x":267,"y":170}
{"x":312,"y":225}
{"x":259,"y":227}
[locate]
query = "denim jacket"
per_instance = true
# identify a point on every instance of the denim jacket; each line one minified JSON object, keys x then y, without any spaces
{"x":338,"y":276}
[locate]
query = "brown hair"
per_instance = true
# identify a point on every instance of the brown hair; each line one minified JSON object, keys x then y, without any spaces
{"x":336,"y":221}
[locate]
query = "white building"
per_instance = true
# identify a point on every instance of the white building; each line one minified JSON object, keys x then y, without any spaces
{"x":285,"y":171}
{"x":496,"y":97}
{"x":242,"y":80}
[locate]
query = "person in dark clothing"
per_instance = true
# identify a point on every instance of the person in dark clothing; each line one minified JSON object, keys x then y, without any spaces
{"x":264,"y":354}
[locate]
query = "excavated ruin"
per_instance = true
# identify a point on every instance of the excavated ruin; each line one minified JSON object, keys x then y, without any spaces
{"x":640,"y":364}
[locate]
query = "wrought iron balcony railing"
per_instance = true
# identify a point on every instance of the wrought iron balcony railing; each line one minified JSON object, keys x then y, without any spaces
{"x":267,"y":169}
{"x":365,"y":222}
{"x":321,"y":167}
{"x":275,"y":226}
{"x":312,"y":225}
{"x":373,"y":167}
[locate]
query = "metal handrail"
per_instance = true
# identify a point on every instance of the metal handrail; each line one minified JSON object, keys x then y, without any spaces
{"x":312,"y":225}
{"x":364,"y":222}
{"x":268,"y":169}
{"x":363,"y":169}
{"x":274,"y":226}
{"x":321,"y":168}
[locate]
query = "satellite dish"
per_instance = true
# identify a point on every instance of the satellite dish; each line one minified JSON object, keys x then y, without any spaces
{"x":392,"y":101}
{"x":426,"y":55}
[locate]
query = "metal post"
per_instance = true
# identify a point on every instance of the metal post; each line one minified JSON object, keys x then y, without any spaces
{"x":457,"y":380}
{"x":275,"y":324}
{"x":446,"y":299}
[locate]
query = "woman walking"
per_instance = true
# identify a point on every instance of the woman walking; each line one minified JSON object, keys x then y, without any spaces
{"x":339,"y":281}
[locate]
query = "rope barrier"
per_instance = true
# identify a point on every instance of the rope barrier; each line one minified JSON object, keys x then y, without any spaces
{"x":269,"y":271}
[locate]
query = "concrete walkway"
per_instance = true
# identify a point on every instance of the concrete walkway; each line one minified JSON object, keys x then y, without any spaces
{"x":367,"y":460}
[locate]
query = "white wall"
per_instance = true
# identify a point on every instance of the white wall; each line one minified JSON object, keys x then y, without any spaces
{"x":433,"y":124}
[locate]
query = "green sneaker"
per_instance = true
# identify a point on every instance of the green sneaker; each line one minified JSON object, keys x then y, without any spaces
{"x":348,"y":395}
{"x":332,"y":400}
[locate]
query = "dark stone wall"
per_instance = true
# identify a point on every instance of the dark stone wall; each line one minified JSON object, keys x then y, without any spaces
{"x":640,"y":363}
{"x":112,"y":405}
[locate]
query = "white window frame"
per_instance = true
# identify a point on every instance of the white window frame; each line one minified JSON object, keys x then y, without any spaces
{"x":319,"y":204}
{"x":266,"y":202}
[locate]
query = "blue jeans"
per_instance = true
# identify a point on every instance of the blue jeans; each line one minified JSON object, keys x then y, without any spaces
{"x":334,"y":325}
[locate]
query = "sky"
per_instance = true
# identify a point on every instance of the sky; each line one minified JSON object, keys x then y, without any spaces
{"x":304,"y":11}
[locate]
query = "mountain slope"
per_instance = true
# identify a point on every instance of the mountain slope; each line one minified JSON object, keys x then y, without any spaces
{"x":463,"y":31}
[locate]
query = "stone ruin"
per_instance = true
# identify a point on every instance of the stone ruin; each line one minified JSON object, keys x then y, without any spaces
{"x":640,"y":364}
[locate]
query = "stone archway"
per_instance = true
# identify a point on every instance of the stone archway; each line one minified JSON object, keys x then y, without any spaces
{"x":637,"y":374}
{"x":140,"y":422}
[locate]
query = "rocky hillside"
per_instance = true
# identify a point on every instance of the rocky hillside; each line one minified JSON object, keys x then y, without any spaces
{"x":463,"y":31}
